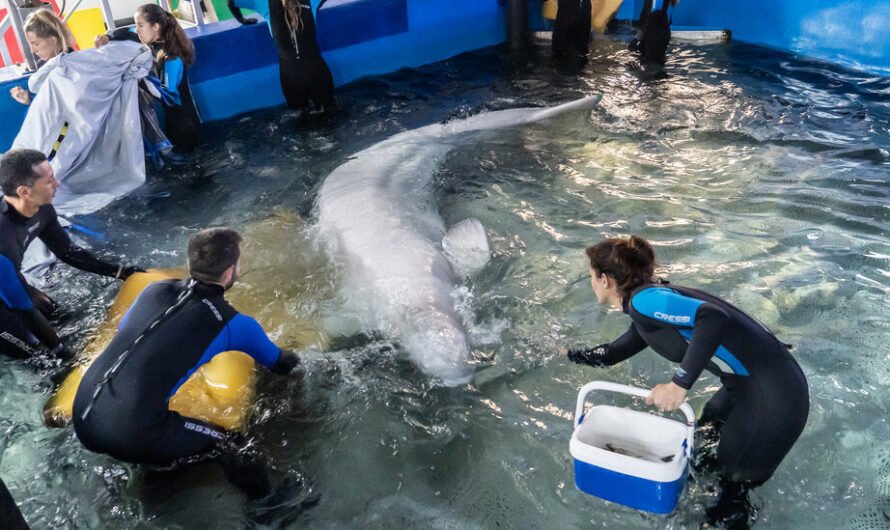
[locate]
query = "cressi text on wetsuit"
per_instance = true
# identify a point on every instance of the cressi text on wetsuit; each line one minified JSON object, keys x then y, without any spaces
{"x":23,"y":308}
{"x":764,"y":402}
{"x":172,"y":329}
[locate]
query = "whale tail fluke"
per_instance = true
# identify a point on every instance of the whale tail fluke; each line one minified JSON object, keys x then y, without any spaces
{"x":466,"y":247}
{"x":579,"y":104}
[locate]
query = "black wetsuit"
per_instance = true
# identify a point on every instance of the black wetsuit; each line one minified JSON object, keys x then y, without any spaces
{"x":183,"y":123}
{"x":571,"y":30}
{"x":121,"y":406}
{"x":23,"y":308}
{"x":306,"y":80}
{"x":764,"y":402}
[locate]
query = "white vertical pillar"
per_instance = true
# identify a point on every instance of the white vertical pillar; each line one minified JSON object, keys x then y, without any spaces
{"x":199,"y":13}
{"x":107,"y":14}
{"x":12,"y":11}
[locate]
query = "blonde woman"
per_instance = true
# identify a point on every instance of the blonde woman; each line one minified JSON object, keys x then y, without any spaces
{"x":47,"y":37}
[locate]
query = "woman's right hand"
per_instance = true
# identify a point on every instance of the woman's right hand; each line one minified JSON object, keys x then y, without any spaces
{"x":21,"y":95}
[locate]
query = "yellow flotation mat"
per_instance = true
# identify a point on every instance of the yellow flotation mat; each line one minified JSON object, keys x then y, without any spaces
{"x":219,"y":392}
{"x":601,"y":12}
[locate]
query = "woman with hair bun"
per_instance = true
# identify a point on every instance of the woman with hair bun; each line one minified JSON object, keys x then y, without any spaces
{"x":762,"y":407}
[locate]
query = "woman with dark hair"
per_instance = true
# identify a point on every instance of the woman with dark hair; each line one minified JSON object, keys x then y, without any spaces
{"x":174,"y":53}
{"x":306,"y":80}
{"x":763,"y":405}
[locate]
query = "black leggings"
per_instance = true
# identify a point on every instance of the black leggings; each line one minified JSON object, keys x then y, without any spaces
{"x":16,"y":340}
{"x":182,"y":441}
{"x":571,"y":30}
{"x":758,"y":423}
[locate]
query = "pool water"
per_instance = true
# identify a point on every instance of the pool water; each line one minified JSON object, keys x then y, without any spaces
{"x":759,"y":176}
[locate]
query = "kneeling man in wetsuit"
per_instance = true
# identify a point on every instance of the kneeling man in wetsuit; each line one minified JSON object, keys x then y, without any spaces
{"x":26,"y":212}
{"x":173,"y":327}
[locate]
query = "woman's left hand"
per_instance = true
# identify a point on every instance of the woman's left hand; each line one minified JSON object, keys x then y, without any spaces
{"x":667,"y":396}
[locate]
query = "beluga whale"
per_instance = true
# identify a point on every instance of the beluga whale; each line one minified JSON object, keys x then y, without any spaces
{"x":400,"y":266}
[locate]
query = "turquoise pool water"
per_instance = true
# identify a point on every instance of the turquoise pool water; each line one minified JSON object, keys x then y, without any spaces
{"x":760,"y":176}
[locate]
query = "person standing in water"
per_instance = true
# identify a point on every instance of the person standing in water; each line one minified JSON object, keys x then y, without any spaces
{"x":306,"y":80}
{"x":174,"y":53}
{"x":763,"y":405}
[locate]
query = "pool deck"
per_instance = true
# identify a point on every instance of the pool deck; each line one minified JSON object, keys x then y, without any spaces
{"x":237,"y":71}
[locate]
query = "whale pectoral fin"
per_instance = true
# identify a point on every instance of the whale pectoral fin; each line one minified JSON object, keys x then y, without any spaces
{"x":466,"y":247}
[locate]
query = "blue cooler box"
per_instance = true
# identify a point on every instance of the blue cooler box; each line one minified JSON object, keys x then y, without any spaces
{"x":628,"y":456}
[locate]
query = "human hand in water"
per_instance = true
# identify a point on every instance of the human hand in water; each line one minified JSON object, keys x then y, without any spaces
{"x":125,"y":271}
{"x":667,"y":396}
{"x":21,"y":95}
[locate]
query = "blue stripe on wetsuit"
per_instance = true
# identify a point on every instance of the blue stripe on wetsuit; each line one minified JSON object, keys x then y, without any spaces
{"x":12,"y":291}
{"x":722,"y":353}
{"x":174,"y":70}
{"x":243,"y":334}
{"x":671,"y":307}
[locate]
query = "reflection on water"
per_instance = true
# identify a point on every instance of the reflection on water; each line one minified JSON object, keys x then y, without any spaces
{"x":759,"y":176}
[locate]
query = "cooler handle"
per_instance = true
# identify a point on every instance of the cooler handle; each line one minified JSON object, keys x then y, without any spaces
{"x":633,"y":391}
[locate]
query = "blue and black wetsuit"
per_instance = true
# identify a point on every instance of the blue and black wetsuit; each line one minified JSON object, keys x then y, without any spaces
{"x":121,"y":407}
{"x":764,"y":402}
{"x":183,"y":123}
{"x":23,"y":308}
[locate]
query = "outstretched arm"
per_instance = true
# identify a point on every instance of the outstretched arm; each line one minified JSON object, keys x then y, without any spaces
{"x":236,"y":12}
{"x":60,"y":244}
{"x":627,"y":345}
{"x":248,"y":336}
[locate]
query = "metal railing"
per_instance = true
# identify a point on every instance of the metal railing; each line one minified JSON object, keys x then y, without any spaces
{"x":15,"y":15}
{"x":4,"y":49}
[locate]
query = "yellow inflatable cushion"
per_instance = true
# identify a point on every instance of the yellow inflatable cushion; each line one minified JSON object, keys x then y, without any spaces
{"x":220,"y":392}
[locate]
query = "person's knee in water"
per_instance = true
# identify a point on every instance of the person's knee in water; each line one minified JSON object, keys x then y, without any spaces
{"x":763,"y":405}
{"x":122,"y":405}
{"x":28,"y":183}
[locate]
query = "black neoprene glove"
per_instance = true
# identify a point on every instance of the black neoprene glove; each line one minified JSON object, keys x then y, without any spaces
{"x":125,"y":271}
{"x":236,"y":12}
{"x":592,"y":357}
{"x":288,"y":363}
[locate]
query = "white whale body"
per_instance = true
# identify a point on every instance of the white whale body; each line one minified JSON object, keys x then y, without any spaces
{"x":377,"y":214}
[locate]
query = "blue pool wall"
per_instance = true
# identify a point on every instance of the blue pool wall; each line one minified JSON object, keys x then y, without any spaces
{"x":237,"y":68}
{"x":853,"y":33}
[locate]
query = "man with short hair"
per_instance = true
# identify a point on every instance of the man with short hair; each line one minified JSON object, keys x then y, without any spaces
{"x":172,"y":329}
{"x":29,"y":184}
